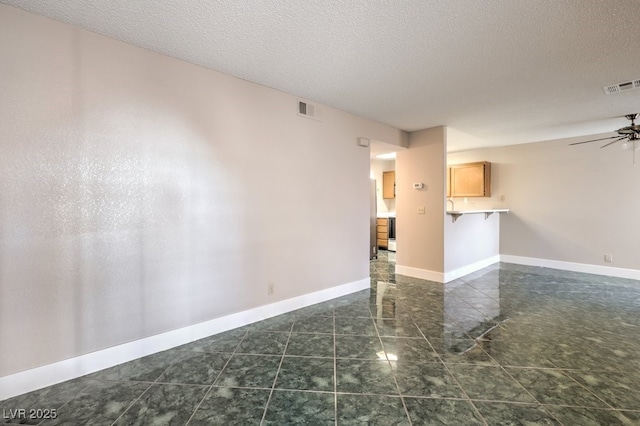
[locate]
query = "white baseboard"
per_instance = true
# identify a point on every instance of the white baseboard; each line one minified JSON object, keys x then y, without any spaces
{"x":468,"y":269}
{"x":610,"y":271}
{"x":50,"y":374}
{"x":445,"y":277}
{"x":423,"y":274}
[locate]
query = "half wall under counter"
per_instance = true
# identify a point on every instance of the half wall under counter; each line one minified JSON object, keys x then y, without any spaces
{"x":472,"y":243}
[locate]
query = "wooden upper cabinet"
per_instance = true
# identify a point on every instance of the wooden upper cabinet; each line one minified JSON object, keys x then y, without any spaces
{"x":469,"y":180}
{"x":388,"y":185}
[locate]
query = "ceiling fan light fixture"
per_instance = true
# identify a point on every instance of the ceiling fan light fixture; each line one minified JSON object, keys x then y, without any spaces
{"x":627,"y":145}
{"x":632,"y":144}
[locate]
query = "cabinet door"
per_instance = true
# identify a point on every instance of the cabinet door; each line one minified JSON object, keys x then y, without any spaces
{"x":471,"y":180}
{"x":388,"y":185}
{"x":383,"y":232}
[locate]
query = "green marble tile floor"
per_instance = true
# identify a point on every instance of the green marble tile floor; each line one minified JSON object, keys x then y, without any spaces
{"x":507,"y":345}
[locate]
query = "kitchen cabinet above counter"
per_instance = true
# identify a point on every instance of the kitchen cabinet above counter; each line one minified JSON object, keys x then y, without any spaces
{"x":469,"y":180}
{"x":389,"y":185}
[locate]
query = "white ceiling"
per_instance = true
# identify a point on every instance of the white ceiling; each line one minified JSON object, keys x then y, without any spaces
{"x":505,"y":71}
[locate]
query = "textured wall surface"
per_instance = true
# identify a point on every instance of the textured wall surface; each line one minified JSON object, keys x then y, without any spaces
{"x":568,"y":203}
{"x":471,"y":238}
{"x":420,"y":237}
{"x":140,"y":194}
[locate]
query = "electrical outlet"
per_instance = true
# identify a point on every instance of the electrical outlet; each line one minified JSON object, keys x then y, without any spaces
{"x":271,"y":288}
{"x":421,"y":209}
{"x":608,"y":258}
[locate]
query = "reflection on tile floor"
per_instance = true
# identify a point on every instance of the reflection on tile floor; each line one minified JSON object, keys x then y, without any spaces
{"x":506,"y":345}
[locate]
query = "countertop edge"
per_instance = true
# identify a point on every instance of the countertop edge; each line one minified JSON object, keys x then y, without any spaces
{"x":461,"y":212}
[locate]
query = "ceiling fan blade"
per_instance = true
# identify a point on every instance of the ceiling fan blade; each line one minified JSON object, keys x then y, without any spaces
{"x":595,"y":140}
{"x":612,"y":142}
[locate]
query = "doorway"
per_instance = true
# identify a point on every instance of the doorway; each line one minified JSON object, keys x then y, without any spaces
{"x":382,"y":171}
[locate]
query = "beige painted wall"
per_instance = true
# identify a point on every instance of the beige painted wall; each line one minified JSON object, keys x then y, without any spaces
{"x":141,"y":194}
{"x":471,"y":238}
{"x":569,"y":203}
{"x":421,"y":236}
{"x":457,"y":138}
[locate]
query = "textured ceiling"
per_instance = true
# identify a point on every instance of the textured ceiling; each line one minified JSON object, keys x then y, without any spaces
{"x":505,"y":71}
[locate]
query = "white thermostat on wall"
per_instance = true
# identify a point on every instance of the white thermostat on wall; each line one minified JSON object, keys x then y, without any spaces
{"x":419,"y":185}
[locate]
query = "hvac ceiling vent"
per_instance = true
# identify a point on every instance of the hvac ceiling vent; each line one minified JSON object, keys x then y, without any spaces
{"x":622,"y":87}
{"x":308,"y":110}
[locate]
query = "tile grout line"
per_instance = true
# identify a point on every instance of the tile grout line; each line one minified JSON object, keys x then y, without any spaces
{"x":584,"y":387}
{"x":133,"y":403}
{"x":82,"y":388}
{"x":206,"y":394}
{"x":540,"y":405}
{"x":275,"y":379}
{"x":537,"y":403}
{"x":393,"y":374}
{"x":147,"y":390}
{"x":444,"y":364}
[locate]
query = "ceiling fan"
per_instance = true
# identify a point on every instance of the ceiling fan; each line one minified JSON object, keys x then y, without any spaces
{"x":629,"y":134}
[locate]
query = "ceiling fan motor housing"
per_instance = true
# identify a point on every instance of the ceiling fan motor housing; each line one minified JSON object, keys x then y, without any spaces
{"x":630,"y":133}
{"x":633,"y":129}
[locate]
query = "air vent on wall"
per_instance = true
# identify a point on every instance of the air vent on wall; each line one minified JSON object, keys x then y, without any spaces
{"x":305,"y":109}
{"x":622,"y":87}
